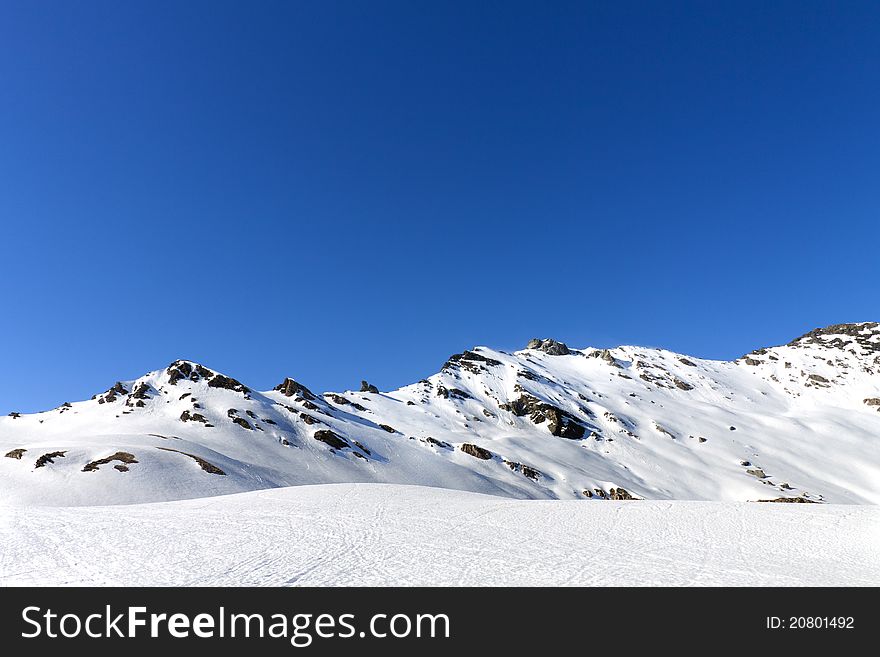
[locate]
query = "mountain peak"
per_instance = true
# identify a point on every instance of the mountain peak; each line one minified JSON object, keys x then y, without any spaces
{"x":192,"y":371}
{"x":861,"y":335}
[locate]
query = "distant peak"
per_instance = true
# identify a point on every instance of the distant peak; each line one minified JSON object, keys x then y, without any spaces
{"x":548,"y":346}
{"x":862,"y":334}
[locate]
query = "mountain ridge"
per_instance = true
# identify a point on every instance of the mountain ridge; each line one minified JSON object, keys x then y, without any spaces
{"x":793,"y":422}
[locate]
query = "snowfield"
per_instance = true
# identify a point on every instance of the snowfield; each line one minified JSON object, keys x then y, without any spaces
{"x":374,"y":534}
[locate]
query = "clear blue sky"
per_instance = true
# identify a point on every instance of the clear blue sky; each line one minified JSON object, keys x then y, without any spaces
{"x":338,"y":190}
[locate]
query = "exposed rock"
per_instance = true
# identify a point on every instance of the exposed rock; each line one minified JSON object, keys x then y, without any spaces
{"x":362,"y":448}
{"x":619,"y":494}
{"x":388,"y":428}
{"x":471,"y":361}
{"x":124,"y":457}
{"x":525,"y":470}
{"x":549,"y":346}
{"x":186,"y":416}
{"x":438,"y":443}
{"x":682,"y":385}
{"x":244,"y":424}
{"x":210,"y":468}
{"x":308,"y":419}
{"x":15,"y":453}
{"x":791,"y":500}
{"x":446,"y":393}
{"x":476,"y":452}
{"x":342,"y":401}
{"x":48,"y":458}
{"x":366,"y":387}
{"x":227,"y":383}
{"x":873,"y":401}
{"x":112,"y":394}
{"x":330,"y":438}
{"x":685,"y":361}
{"x":757,"y":472}
{"x":289,"y":388}
{"x":751,"y":361}
{"x":561,"y":423}
{"x":14,"y":415}
{"x":140,"y":391}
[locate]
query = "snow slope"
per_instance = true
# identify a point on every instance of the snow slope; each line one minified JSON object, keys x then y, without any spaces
{"x":364,"y":534}
{"x":798,"y":421}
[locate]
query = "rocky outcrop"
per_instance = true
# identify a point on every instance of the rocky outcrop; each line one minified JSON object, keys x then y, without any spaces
{"x":49,"y":457}
{"x":112,"y":394}
{"x":291,"y":388}
{"x":15,"y":453}
{"x":525,"y":470}
{"x":330,"y":438}
{"x":549,"y":346}
{"x":367,"y":387}
{"x":475,"y":451}
{"x":471,"y":361}
{"x":560,"y":422}
{"x":125,"y":459}
{"x":210,"y":468}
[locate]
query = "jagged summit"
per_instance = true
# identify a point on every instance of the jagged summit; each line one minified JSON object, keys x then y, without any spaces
{"x":793,"y":422}
{"x":863,"y":336}
{"x":548,"y":346}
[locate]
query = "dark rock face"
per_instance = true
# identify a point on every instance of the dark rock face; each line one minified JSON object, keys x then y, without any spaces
{"x":388,"y":428}
{"x":186,"y":416}
{"x":226,"y":382}
{"x":15,"y":453}
{"x":48,"y":458}
{"x":476,"y":452}
{"x":560,"y":423}
{"x":112,"y":394}
{"x":366,"y":387}
{"x":290,"y":388}
{"x":244,"y":424}
{"x":308,"y":419}
{"x":124,"y":458}
{"x":438,"y":443}
{"x":619,"y":494}
{"x":140,"y":391}
{"x":549,"y":346}
{"x":757,"y":472}
{"x":873,"y":401}
{"x":330,"y":438}
{"x":181,"y":369}
{"x":685,"y":361}
{"x":525,"y":470}
{"x":15,"y":415}
{"x":682,"y":385}
{"x":455,"y":393}
{"x":790,"y":500}
{"x":471,"y":361}
{"x":865,"y":335}
{"x":342,"y":401}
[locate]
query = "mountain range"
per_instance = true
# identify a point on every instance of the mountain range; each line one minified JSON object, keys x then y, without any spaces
{"x":792,"y":423}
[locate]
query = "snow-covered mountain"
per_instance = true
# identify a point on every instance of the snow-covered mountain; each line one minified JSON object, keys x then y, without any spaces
{"x":799,"y":421}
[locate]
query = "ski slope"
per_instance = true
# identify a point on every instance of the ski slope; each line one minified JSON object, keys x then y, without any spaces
{"x":368,"y":534}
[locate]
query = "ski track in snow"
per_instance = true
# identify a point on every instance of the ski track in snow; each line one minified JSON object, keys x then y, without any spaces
{"x":375,"y":534}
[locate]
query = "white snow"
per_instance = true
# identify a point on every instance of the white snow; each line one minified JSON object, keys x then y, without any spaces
{"x":657,"y":424}
{"x":367,"y":534}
